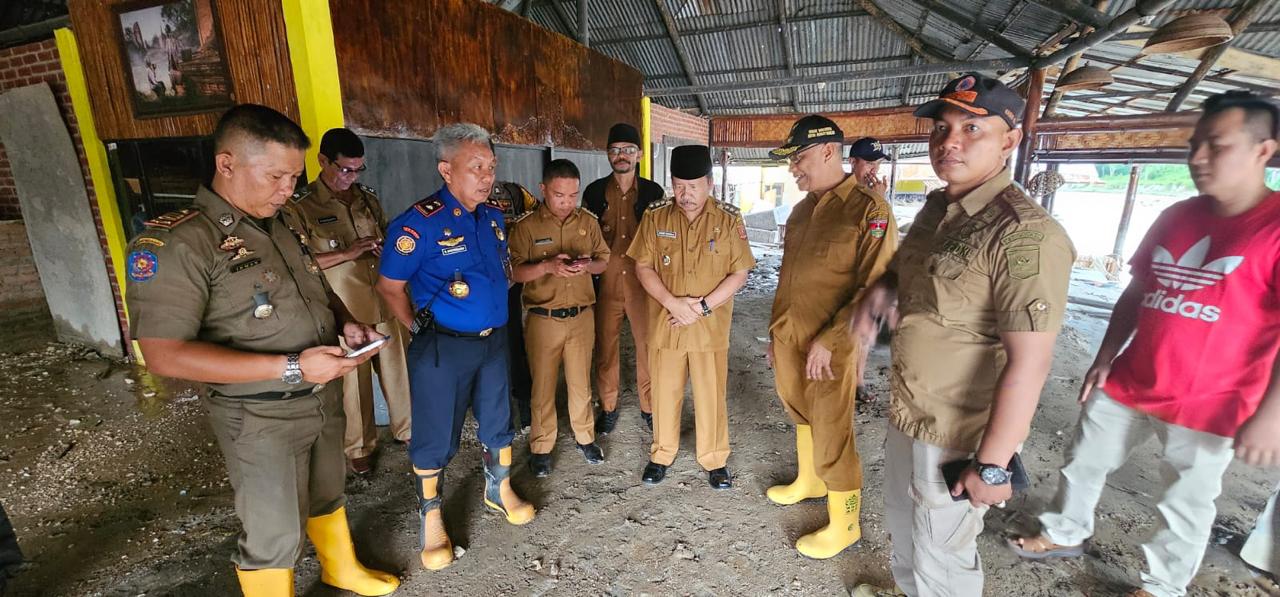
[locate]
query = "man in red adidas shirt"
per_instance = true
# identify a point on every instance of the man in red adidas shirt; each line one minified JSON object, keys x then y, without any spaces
{"x":1201,"y":374}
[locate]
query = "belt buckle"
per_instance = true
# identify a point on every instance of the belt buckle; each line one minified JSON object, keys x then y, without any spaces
{"x":485,"y":332}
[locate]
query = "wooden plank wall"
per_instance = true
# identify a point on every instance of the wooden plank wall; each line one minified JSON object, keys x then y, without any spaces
{"x":406,"y":68}
{"x":253,"y":37}
{"x":889,"y":125}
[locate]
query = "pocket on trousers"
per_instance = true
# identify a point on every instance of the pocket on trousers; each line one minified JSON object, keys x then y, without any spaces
{"x":953,"y":527}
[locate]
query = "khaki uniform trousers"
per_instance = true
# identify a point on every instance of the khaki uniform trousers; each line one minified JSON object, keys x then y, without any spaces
{"x":1191,"y":468}
{"x":361,"y":438}
{"x":626,"y":297}
{"x":935,"y":539}
{"x":827,"y":407}
{"x":550,"y":342}
{"x":708,"y":372}
{"x":284,"y":460}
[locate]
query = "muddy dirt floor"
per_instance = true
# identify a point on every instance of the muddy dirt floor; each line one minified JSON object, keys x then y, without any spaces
{"x":115,"y":487}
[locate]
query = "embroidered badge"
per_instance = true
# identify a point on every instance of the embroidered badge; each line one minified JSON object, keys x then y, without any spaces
{"x":742,"y":231}
{"x":451,"y":242}
{"x":1013,"y":237}
{"x":405,"y":244}
{"x":1024,"y":262}
{"x":877,"y":227}
{"x":143,"y":265}
{"x":147,"y":240}
{"x":414,"y":233}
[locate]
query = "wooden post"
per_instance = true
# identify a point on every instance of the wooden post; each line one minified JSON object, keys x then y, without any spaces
{"x":1130,"y":196}
{"x":1047,"y":200}
{"x":584,"y":27}
{"x":1030,"y":116}
{"x":724,"y":175}
{"x":893,"y":174}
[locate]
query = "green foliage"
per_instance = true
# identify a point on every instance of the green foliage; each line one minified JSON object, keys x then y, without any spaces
{"x":1155,"y":179}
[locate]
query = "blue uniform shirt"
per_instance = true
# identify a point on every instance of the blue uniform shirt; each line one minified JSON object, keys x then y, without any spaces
{"x":436,"y":243}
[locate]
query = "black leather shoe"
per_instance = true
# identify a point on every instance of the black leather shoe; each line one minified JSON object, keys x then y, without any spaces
{"x":540,"y":464}
{"x":592,"y":453}
{"x":654,"y":473}
{"x":719,"y":478}
{"x":648,"y":420}
{"x":606,"y":421}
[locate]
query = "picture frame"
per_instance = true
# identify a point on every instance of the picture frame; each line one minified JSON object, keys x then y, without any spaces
{"x":173,"y":58}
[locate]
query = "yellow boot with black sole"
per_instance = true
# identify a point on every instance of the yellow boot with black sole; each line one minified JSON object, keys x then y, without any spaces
{"x":435,"y":548}
{"x":338,"y":564}
{"x":498,"y":494}
{"x":807,"y":484}
{"x":842,"y":530}
{"x":267,"y":582}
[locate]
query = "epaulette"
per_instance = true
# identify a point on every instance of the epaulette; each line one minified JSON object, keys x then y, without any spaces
{"x":172,"y":219}
{"x":366,"y":189}
{"x":730,"y":208}
{"x":1024,"y":209}
{"x":429,"y":207}
{"x":521,"y":217}
{"x":586,"y":212}
{"x":301,"y":194}
{"x":658,"y":205}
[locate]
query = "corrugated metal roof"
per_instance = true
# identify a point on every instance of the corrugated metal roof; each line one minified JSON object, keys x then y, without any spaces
{"x":742,"y":40}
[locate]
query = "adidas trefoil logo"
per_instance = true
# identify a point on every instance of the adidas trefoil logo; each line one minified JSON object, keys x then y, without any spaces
{"x":1190,"y":272}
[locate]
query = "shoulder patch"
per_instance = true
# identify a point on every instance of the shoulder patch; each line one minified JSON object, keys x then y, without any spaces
{"x":586,"y":212}
{"x":143,"y":265}
{"x":1024,"y":209}
{"x":658,"y":205}
{"x":429,"y":207}
{"x":367,"y":189}
{"x":301,"y":194}
{"x":172,"y":219}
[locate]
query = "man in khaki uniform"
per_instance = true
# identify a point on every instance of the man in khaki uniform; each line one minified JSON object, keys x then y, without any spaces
{"x":619,"y":201}
{"x":344,"y":224}
{"x":691,"y":255}
{"x":225,"y":292}
{"x":840,"y":238}
{"x":981,"y":281}
{"x":554,"y":251}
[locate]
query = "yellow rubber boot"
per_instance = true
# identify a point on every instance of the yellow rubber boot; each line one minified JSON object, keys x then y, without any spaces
{"x":338,"y":564}
{"x":267,"y":582}
{"x":807,"y":484}
{"x":498,"y":493}
{"x":436,"y":548}
{"x":842,"y":531}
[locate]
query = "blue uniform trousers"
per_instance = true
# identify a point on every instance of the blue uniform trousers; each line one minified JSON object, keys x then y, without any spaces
{"x":448,"y":374}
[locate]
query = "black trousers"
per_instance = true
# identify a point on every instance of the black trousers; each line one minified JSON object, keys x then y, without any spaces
{"x":10,"y":555}
{"x":521,"y":379}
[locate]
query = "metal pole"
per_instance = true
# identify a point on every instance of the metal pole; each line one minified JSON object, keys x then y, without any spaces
{"x":1047,"y":201}
{"x":1130,"y":196}
{"x":893,"y":174}
{"x":584,"y":29}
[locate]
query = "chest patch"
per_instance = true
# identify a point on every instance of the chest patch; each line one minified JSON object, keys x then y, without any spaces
{"x":666,"y":234}
{"x":454,"y":249}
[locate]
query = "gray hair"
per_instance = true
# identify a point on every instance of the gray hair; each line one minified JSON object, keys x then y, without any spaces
{"x":450,"y":137}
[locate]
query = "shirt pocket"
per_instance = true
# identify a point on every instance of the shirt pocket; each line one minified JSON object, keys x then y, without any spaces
{"x":940,"y":266}
{"x":838,"y":250}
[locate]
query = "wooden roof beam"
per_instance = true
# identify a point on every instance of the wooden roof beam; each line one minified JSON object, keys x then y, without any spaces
{"x":1076,"y":11}
{"x":971,"y":24}
{"x":673,"y":33}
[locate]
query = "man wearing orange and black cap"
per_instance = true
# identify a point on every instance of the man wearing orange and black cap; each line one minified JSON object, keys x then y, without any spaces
{"x":980,"y":284}
{"x":840,"y":239}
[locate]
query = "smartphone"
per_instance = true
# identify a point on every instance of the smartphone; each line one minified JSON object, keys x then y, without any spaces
{"x":367,"y":347}
{"x":951,"y":474}
{"x":577,"y":262}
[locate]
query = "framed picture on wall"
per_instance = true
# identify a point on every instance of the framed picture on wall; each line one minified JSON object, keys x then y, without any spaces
{"x":173,"y":57}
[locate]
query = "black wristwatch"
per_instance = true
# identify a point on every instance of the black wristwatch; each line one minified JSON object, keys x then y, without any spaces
{"x":706,"y":309}
{"x":992,"y":474}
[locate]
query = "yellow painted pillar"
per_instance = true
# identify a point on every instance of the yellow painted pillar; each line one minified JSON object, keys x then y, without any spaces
{"x":309,"y":28}
{"x":94,"y":150}
{"x":646,"y":160}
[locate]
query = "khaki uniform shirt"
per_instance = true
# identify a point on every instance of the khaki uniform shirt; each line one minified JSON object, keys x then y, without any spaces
{"x":619,"y":225}
{"x":203,"y":272}
{"x":333,"y":222}
{"x":540,"y":235}
{"x":992,"y":262}
{"x":692,"y":258}
{"x":837,"y":244}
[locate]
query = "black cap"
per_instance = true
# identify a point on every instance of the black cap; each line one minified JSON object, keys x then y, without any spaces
{"x":867,"y":148}
{"x":807,"y":131}
{"x":977,"y":94}
{"x":690,"y":162}
{"x":624,"y":133}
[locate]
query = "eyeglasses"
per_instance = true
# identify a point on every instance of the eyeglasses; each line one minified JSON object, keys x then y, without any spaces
{"x":628,"y":150}
{"x":346,"y":171}
{"x":795,"y":157}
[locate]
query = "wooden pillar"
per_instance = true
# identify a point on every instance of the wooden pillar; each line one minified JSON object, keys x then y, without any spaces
{"x":724,"y":175}
{"x":1130,"y":197}
{"x":1030,"y":116}
{"x":584,"y":27}
{"x":1047,"y":200}
{"x":893,"y":174}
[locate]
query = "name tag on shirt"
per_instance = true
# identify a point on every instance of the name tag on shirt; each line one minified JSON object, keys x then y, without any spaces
{"x":454,"y":249}
{"x":542,"y":241}
{"x":328,"y":219}
{"x":666,"y":234}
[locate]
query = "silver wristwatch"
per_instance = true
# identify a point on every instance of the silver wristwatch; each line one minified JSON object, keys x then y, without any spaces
{"x":292,"y":370}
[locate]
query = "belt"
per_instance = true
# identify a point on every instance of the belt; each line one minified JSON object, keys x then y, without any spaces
{"x":564,"y":313}
{"x":276,"y":395}
{"x":457,"y":334}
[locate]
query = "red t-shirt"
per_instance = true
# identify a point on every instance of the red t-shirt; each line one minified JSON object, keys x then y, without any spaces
{"x":1209,"y":323}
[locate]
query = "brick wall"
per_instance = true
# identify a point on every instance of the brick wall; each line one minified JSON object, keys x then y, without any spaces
{"x":666,"y":122}
{"x":32,"y":64}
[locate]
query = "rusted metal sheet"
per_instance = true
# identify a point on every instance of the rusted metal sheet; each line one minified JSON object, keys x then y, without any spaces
{"x":257,"y":54}
{"x":406,"y":68}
